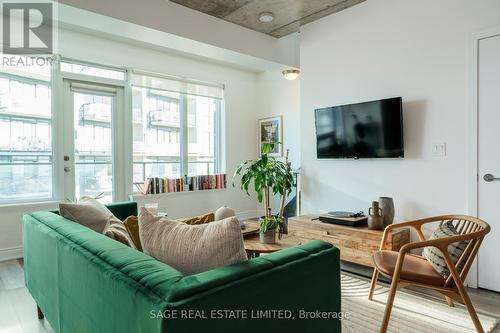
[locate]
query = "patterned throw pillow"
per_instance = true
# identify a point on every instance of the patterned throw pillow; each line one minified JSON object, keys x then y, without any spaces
{"x":435,"y":256}
{"x":117,"y":231}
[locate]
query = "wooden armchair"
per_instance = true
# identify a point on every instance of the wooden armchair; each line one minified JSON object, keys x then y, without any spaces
{"x":404,"y":268}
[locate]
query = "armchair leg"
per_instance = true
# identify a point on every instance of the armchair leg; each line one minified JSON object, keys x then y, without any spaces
{"x":463,"y":293}
{"x":373,"y":284}
{"x":392,"y":292}
{"x":470,"y":306}
{"x":472,"y":312}
{"x":388,"y":306}
{"x":39,"y":312}
{"x":449,"y":301}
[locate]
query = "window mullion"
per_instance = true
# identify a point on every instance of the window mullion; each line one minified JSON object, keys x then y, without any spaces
{"x":184,"y":134}
{"x":217,"y":139}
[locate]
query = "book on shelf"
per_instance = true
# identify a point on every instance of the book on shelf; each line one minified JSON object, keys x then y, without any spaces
{"x":158,"y":185}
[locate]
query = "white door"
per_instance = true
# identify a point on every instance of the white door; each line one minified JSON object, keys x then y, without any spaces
{"x":89,"y":148}
{"x":489,"y":160}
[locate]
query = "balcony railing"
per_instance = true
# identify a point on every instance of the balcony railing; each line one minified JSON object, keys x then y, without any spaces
{"x":203,"y":168}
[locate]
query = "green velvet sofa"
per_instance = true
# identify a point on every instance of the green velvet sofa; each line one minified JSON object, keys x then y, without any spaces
{"x":85,"y":282}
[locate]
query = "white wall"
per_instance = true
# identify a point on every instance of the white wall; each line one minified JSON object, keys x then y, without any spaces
{"x":418,"y":49}
{"x":11,"y":226}
{"x":277,"y":96}
{"x":240,"y":118}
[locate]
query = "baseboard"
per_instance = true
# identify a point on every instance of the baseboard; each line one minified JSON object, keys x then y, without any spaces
{"x":11,"y":253}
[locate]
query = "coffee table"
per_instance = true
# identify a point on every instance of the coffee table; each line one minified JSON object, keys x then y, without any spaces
{"x":295,"y":237}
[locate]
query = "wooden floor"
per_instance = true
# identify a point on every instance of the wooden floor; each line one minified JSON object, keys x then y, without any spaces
{"x":18,"y":310}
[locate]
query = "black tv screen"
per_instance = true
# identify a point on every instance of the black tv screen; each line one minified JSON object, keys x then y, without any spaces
{"x":363,"y":130}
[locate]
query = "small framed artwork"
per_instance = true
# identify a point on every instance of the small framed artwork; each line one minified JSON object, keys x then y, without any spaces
{"x":271,"y":130}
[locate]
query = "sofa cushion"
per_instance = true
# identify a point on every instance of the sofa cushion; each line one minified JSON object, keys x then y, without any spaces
{"x":191,"y":249}
{"x":202,"y":219}
{"x":88,"y":212}
{"x":131,"y":223}
{"x":415,"y":268}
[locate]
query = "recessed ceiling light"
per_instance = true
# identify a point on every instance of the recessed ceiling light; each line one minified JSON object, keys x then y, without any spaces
{"x":266,"y":17}
{"x":291,"y":74}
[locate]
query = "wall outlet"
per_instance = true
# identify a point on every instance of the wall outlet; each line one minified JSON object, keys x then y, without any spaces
{"x":439,"y":149}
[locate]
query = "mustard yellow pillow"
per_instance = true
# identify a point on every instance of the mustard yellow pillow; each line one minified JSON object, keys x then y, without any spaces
{"x":132,"y":225}
{"x":202,"y":219}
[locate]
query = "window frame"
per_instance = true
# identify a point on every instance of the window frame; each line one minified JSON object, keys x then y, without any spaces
{"x":69,"y":74}
{"x":119,"y":130}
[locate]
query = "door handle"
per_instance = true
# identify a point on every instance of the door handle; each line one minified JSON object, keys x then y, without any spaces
{"x":67,"y":169}
{"x":489,"y":177}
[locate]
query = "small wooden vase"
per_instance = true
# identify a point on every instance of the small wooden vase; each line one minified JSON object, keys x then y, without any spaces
{"x":387,"y":206}
{"x":375,"y":219}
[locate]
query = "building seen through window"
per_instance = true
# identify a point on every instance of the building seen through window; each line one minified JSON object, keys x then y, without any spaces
{"x":25,"y":133}
{"x":158,"y":132}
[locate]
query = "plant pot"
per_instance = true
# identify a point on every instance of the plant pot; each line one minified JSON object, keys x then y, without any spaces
{"x":268,"y":237}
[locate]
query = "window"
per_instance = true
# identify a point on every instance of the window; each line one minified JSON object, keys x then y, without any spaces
{"x":202,"y":134}
{"x":156,"y":127}
{"x":175,"y":128}
{"x":25,"y":132}
{"x":98,"y":71}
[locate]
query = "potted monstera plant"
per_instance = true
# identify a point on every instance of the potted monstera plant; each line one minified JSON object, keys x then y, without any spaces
{"x":267,"y":176}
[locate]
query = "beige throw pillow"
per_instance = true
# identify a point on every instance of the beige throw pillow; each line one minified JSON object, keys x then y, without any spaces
{"x":116,"y":230}
{"x":88,"y":212}
{"x":191,"y":249}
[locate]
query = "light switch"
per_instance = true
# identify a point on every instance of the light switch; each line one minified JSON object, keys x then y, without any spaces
{"x":439,"y":149}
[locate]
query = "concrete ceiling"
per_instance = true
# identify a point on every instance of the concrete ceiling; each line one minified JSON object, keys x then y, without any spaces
{"x":289,"y":15}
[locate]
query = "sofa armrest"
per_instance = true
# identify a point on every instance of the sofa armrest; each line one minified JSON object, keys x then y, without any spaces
{"x":122,"y":210}
{"x":296,"y":281}
{"x":86,"y":282}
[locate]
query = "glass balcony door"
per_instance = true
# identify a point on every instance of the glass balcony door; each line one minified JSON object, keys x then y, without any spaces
{"x":89,"y":158}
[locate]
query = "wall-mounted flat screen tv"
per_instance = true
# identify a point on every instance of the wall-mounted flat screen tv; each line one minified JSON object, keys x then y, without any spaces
{"x":363,"y":130}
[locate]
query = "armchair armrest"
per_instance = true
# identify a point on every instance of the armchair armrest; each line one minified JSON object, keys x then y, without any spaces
{"x":440,"y":243}
{"x":391,"y":227}
{"x":416,"y":225}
